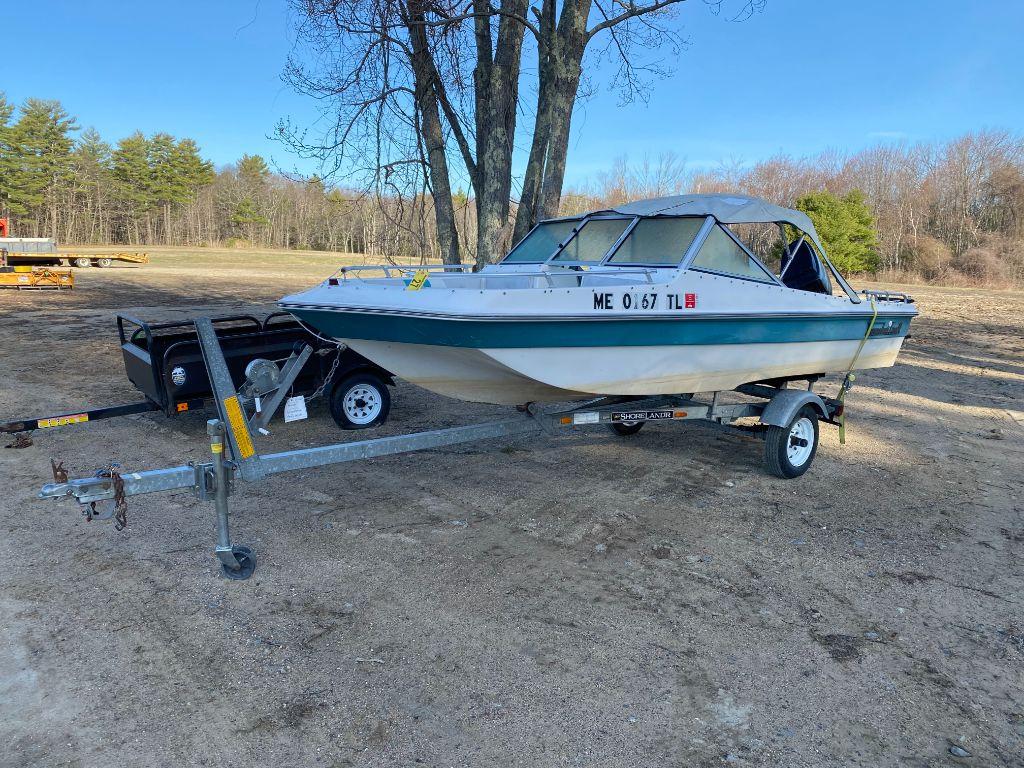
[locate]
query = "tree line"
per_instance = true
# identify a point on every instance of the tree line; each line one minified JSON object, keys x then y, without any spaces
{"x":57,"y":181}
{"x":944,"y":210}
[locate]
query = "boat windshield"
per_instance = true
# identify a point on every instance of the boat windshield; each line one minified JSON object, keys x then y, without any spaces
{"x":721,"y":253}
{"x":593,"y":240}
{"x":538,"y":246}
{"x":658,"y":242}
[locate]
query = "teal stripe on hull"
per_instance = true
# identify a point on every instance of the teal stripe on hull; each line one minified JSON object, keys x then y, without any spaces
{"x":655,"y":331}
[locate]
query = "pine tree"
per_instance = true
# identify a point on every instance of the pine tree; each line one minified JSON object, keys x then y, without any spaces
{"x":6,"y":155}
{"x":91,"y":166}
{"x":132,"y":183}
{"x":253,"y":170}
{"x":38,"y":148}
{"x":846,"y":227}
{"x":249,"y":215}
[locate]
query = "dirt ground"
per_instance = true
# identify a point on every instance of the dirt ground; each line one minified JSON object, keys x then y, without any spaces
{"x":579,"y":599}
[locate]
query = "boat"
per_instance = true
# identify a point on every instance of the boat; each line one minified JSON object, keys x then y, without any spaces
{"x":655,"y":297}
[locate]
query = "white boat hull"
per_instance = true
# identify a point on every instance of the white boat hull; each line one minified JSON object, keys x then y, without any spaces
{"x":511,"y":376}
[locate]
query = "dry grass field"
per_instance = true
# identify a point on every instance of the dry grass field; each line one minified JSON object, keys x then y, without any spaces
{"x":576,"y":600}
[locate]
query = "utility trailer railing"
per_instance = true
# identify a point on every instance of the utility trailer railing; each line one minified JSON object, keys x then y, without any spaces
{"x":788,"y":421}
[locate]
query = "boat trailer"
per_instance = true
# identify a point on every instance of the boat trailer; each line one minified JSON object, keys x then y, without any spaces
{"x":788,"y":421}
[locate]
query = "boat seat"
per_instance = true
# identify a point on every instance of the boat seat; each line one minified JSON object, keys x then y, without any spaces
{"x":803,"y":270}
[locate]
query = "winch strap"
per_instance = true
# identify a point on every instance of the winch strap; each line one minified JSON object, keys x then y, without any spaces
{"x":848,"y":380}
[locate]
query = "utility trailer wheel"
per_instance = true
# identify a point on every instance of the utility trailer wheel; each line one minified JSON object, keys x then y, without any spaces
{"x":246,"y":563}
{"x":103,"y":262}
{"x":789,"y":451}
{"x":360,"y":401}
{"x":624,"y":428}
{"x":82,"y":262}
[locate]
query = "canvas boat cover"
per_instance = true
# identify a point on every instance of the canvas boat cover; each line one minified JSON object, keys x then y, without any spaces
{"x":727,"y":208}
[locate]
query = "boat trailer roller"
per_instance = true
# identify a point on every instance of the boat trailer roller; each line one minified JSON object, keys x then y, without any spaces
{"x":788,"y":421}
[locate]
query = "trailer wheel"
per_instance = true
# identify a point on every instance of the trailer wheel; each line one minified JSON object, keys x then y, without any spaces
{"x":789,"y":450}
{"x":360,"y":401}
{"x":82,"y":262}
{"x":103,"y":262}
{"x":626,"y":427}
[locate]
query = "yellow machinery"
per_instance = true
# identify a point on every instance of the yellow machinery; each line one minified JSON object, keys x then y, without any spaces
{"x":34,"y":278}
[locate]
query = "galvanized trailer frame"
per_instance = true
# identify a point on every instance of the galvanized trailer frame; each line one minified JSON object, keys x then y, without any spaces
{"x":777,"y":408}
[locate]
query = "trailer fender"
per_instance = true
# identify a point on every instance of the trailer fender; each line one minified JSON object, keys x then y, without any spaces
{"x":786,"y":404}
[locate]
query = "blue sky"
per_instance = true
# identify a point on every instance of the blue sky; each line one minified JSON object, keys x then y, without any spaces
{"x":800,"y":77}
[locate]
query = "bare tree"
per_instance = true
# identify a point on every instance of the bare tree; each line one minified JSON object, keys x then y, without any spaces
{"x":409,"y":73}
{"x":369,"y":64}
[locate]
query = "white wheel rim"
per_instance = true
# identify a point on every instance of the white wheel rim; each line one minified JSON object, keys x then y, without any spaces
{"x":800,"y":443}
{"x":362,"y":404}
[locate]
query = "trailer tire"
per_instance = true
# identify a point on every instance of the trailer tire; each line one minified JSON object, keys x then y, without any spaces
{"x":103,"y":262}
{"x":789,"y":450}
{"x":360,"y":401}
{"x":82,"y":262}
{"x":623,"y":428}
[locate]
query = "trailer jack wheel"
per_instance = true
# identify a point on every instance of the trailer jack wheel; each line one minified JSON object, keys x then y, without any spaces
{"x":245,"y":559}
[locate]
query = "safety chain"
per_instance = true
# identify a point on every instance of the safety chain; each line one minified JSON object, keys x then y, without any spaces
{"x":330,"y":374}
{"x":120,"y":501}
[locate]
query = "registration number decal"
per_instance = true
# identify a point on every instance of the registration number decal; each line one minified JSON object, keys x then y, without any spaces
{"x":645,"y":301}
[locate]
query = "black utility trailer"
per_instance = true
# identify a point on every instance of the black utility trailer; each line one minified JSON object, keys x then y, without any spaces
{"x":165,"y":363}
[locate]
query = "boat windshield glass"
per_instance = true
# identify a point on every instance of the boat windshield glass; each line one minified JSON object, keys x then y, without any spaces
{"x":593,"y":240}
{"x":537,"y":246}
{"x":658,"y":241}
{"x":720,"y":253}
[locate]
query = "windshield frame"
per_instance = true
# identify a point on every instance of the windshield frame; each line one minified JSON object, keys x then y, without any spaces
{"x":605,"y":260}
{"x":684,"y":263}
{"x":773,"y":279}
{"x":686,"y":256}
{"x":553,"y":259}
{"x":534,"y":228}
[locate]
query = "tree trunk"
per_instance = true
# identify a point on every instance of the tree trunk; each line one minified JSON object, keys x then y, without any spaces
{"x":497,"y":94}
{"x":562,"y":99}
{"x":432,"y":136}
{"x":526,"y":213}
{"x":560,"y":67}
